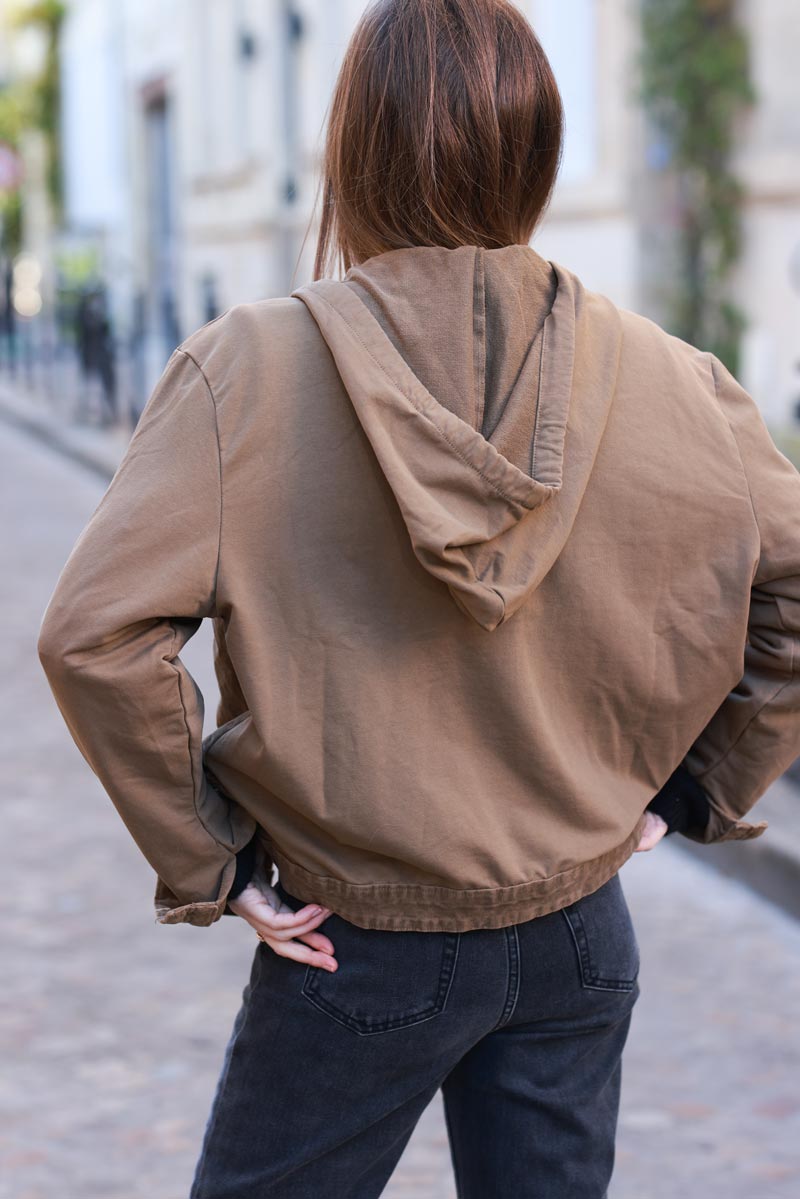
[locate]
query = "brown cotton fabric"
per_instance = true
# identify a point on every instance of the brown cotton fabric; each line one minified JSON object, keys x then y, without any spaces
{"x":487,"y":558}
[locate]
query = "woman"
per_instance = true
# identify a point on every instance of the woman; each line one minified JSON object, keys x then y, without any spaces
{"x":506,"y":585}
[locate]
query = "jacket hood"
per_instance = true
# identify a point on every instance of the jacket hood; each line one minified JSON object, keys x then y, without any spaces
{"x":483,"y":380}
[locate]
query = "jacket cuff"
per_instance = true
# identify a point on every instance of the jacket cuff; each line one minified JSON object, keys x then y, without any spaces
{"x":170,"y":910}
{"x":723,"y":826}
{"x":682,"y":803}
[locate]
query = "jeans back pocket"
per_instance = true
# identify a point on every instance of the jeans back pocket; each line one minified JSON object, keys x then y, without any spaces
{"x":385,"y":980}
{"x":605,"y":941}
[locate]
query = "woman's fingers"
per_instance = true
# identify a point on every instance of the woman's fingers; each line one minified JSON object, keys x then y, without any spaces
{"x":283,"y":929}
{"x":262,"y":907}
{"x":655,"y":827}
{"x":283,"y":926}
{"x":318,"y":941}
{"x":301,"y":953}
{"x":284,"y":938}
{"x":318,"y":953}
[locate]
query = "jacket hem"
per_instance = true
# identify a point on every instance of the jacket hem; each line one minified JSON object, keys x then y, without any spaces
{"x":423,"y":907}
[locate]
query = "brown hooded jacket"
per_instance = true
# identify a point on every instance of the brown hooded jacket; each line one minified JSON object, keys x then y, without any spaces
{"x":488,"y":558}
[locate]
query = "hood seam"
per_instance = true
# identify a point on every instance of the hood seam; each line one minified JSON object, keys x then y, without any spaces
{"x":549,"y":488}
{"x":479,"y":336}
{"x":542,"y":351}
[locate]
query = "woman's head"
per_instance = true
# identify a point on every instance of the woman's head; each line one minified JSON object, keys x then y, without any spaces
{"x":445,"y":129}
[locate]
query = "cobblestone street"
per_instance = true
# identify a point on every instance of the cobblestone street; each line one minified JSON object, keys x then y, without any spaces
{"x":113,"y":1027}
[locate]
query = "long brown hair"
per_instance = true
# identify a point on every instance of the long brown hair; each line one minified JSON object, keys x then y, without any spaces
{"x":445,"y":128}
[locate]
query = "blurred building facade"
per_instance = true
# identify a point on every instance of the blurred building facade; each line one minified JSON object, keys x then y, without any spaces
{"x":768,"y":162}
{"x":191,"y":134}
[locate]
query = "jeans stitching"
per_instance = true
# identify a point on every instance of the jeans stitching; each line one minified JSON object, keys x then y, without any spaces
{"x":512,"y":990}
{"x":363,"y":1026}
{"x":589,"y":979}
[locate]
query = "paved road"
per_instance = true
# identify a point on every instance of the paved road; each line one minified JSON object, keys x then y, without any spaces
{"x":113,"y":1027}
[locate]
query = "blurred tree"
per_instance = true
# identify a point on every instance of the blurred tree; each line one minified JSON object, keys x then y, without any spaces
{"x":45,"y":89}
{"x":12,"y":121}
{"x":694,"y":77}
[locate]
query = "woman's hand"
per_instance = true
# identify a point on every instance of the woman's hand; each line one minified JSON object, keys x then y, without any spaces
{"x":280,"y":927}
{"x":655,"y":827}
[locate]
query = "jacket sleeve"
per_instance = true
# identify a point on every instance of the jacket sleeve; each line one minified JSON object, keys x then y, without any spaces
{"x":681,"y":803}
{"x":231,"y":704}
{"x":136,"y":586}
{"x":755,"y":734}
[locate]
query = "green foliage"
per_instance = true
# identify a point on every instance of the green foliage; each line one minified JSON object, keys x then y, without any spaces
{"x":14,"y":117}
{"x":694,"y":84}
{"x":34,"y":103}
{"x":48,"y":15}
{"x":11,"y":212}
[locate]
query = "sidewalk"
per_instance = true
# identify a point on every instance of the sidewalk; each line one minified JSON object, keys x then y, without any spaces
{"x":98,"y":449}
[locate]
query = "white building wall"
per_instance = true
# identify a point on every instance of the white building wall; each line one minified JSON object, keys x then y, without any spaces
{"x":591,"y":224}
{"x":768,"y":162}
{"x":244,"y":126}
{"x":92,"y":110}
{"x":239,"y":223}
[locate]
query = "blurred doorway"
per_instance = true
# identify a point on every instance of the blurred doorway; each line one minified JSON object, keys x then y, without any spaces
{"x":158,"y":313}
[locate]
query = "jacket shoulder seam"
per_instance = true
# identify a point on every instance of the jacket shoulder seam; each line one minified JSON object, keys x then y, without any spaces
{"x":710,"y":357}
{"x":213,"y":399}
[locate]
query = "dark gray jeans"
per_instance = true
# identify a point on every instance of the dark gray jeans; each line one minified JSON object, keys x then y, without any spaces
{"x":325,"y":1075}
